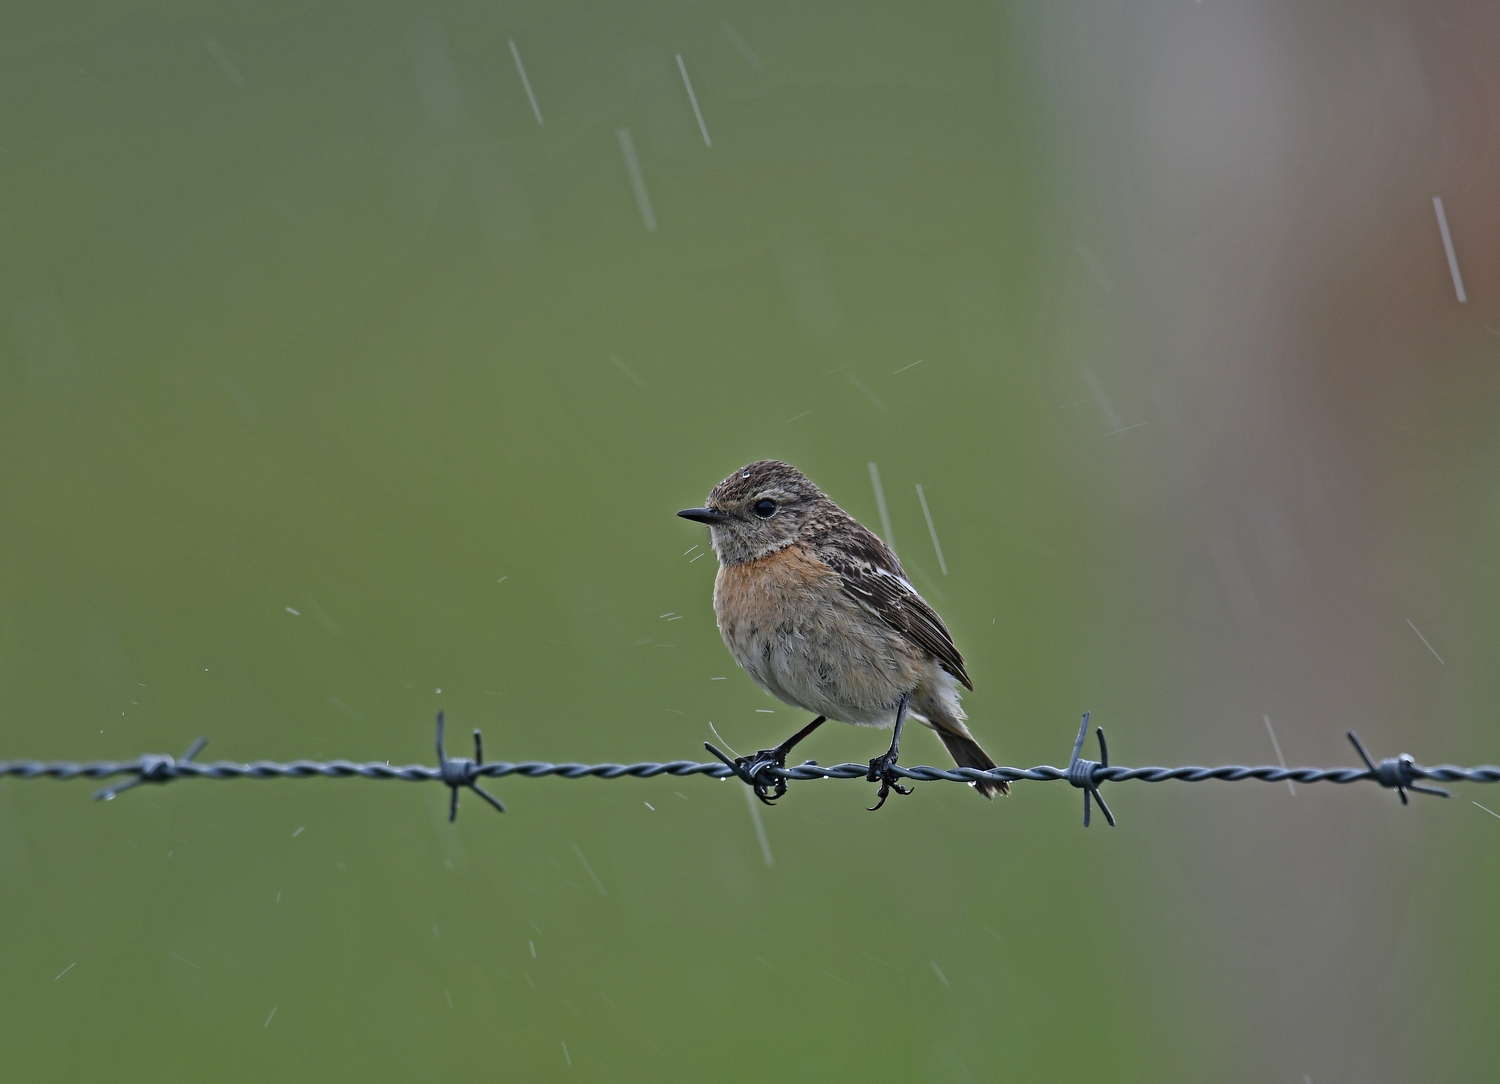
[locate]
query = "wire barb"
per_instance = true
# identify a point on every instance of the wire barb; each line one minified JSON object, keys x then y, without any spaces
{"x":458,"y":772}
{"x":1084,"y":774}
{"x":734,"y":769}
{"x":153,"y":768}
{"x":1394,"y":772}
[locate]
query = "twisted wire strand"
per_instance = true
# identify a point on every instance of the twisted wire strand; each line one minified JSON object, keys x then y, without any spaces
{"x":160,"y":768}
{"x":766,"y":778}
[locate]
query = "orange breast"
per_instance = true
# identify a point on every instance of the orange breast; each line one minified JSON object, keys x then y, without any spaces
{"x":772,"y":590}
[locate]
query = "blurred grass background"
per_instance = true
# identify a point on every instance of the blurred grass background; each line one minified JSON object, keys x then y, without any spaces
{"x":336,"y":390}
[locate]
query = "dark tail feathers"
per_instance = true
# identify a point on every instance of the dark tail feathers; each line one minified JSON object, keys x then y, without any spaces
{"x":967,"y":754}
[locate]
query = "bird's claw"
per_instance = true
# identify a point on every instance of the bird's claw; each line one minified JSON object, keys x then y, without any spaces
{"x":881,"y":772}
{"x":767,"y":788}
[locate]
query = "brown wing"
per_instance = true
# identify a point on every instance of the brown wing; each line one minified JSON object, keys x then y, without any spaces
{"x":873,"y":577}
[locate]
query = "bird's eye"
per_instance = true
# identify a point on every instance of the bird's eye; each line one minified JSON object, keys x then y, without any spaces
{"x":765,"y":509}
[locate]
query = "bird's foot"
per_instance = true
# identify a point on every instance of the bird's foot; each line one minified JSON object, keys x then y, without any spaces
{"x":767,"y":787}
{"x":881,"y":771}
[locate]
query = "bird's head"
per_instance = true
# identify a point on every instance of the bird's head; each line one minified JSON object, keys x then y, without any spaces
{"x":759,"y":509}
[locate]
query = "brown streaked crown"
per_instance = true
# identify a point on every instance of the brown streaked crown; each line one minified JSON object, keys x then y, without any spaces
{"x":759,"y":477}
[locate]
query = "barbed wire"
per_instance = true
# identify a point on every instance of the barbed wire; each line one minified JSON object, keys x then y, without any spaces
{"x":1400,"y":773}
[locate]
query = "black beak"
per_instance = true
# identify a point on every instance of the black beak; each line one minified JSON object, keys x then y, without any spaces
{"x":703,"y":515}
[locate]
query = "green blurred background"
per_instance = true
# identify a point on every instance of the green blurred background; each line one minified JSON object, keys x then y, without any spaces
{"x":339,"y":385}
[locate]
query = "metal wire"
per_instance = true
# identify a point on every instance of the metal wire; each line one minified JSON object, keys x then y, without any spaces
{"x":1400,"y":773}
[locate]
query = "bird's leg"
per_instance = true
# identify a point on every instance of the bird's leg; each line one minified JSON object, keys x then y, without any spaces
{"x":751,"y":766}
{"x":880,"y":767}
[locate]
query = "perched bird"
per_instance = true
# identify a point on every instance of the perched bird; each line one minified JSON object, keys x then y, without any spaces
{"x":820,"y":614}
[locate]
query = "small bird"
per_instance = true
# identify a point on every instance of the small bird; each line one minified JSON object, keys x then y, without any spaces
{"x":820,"y":614}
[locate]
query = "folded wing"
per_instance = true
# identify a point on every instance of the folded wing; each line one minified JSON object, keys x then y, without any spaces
{"x":872,"y":576}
